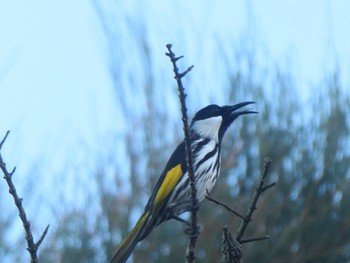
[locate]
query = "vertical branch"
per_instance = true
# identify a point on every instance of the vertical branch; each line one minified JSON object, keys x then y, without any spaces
{"x":231,"y":248}
{"x":32,"y":246}
{"x":190,"y":253}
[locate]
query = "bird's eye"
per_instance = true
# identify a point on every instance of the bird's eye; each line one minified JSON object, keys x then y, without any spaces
{"x":216,"y":110}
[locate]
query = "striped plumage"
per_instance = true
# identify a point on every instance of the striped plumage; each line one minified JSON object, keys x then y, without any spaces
{"x":171,"y":195}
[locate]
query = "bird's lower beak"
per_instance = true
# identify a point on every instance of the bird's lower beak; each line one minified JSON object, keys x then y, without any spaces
{"x":232,"y":113}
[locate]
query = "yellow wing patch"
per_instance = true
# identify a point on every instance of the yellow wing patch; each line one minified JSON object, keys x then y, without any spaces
{"x":171,"y":179}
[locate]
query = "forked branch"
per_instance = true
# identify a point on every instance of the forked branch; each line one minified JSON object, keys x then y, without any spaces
{"x":32,"y":246}
{"x":232,"y":247}
{"x":261,"y":188}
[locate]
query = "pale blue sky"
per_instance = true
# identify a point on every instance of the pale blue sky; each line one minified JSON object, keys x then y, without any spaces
{"x":54,"y":79}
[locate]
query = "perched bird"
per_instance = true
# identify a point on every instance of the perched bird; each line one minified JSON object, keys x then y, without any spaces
{"x":171,"y":195}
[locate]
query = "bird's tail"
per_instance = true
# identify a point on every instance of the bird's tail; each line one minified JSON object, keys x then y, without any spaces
{"x":129,"y":243}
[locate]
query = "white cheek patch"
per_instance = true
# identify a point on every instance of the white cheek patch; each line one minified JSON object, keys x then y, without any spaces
{"x":208,"y":128}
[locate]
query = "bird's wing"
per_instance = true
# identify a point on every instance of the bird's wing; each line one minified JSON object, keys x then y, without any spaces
{"x":173,"y":172}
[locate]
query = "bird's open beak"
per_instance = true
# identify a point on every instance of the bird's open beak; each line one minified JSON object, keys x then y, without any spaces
{"x":231,"y":112}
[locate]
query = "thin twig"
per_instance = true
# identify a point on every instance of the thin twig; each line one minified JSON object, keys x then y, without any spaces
{"x":190,"y":253}
{"x":32,"y":246}
{"x":259,"y":190}
{"x":212,"y":199}
{"x":248,"y":240}
{"x":3,"y":140}
{"x":42,"y":236}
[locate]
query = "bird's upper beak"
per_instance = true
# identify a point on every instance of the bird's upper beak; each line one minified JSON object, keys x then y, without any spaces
{"x":230,"y":113}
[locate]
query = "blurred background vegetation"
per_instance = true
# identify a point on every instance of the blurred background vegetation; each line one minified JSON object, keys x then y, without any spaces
{"x":307,"y":214}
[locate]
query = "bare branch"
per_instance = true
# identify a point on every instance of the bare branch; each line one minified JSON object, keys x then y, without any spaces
{"x":32,"y":246}
{"x":43,"y":235}
{"x":231,"y":248}
{"x":190,"y":253}
{"x":259,"y":190}
{"x":3,"y":140}
{"x":212,"y":199}
{"x":254,"y":239}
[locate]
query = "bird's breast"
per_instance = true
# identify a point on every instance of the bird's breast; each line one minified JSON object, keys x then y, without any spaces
{"x":206,"y":166}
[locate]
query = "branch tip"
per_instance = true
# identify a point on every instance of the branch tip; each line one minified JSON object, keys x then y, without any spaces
{"x":267,"y":162}
{"x":268,"y":186}
{"x":176,"y":59}
{"x":254,"y":239}
{"x":43,"y":235}
{"x":4,"y":139}
{"x":13,"y":171}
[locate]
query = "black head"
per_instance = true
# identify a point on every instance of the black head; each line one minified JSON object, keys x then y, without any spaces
{"x":213,"y":120}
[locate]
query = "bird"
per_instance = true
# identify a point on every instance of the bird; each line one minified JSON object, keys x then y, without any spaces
{"x":171,"y":194}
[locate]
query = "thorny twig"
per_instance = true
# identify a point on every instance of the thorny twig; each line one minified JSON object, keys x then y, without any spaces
{"x":231,"y":246}
{"x":262,"y":187}
{"x":190,"y":253}
{"x":32,"y":246}
{"x":212,"y":199}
